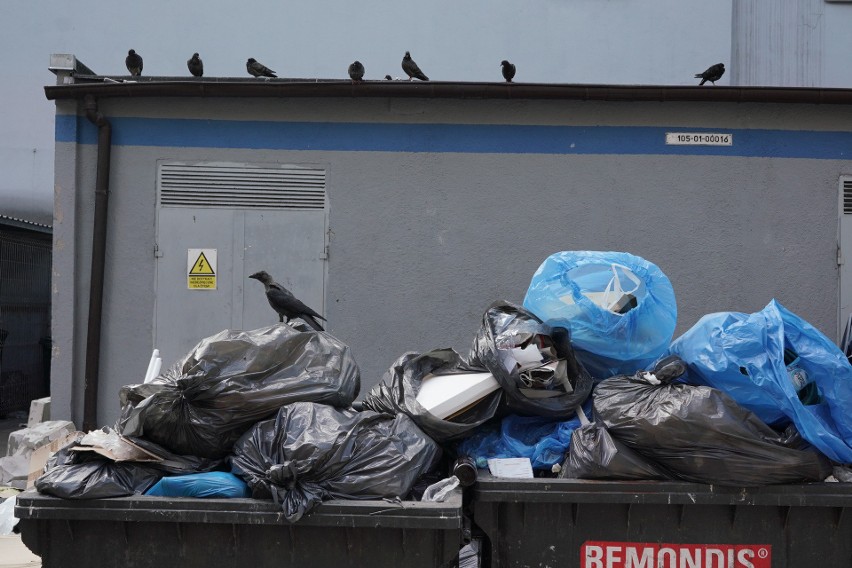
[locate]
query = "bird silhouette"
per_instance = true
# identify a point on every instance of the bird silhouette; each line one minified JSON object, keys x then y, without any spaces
{"x":195,"y":65}
{"x":411,"y":69}
{"x":388,"y":78}
{"x":134,"y":63}
{"x":508,"y":70}
{"x":356,"y":71}
{"x":285,"y":303}
{"x":713,"y":74}
{"x":258,"y":69}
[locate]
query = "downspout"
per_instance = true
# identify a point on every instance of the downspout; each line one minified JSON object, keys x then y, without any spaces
{"x":96,"y":284}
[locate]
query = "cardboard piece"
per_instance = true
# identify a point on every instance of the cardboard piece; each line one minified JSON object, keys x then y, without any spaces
{"x":446,"y":395}
{"x":40,"y":455}
{"x":124,"y":450}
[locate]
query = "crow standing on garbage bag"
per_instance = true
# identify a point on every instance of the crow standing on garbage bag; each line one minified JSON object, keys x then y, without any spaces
{"x":285,"y":303}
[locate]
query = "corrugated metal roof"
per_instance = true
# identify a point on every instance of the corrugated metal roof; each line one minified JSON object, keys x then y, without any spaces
{"x":25,"y":224}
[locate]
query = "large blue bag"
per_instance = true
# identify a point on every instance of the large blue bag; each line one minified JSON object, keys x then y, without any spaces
{"x":592,"y":294}
{"x":744,"y":355}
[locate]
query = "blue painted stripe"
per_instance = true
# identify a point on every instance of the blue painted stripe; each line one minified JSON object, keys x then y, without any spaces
{"x":461,"y":138}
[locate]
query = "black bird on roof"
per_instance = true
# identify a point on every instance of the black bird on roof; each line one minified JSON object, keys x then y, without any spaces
{"x":195,"y":65}
{"x":713,"y":74}
{"x":508,"y":70}
{"x":356,"y":71}
{"x":388,"y":78}
{"x":134,"y":63}
{"x":258,"y":69}
{"x":411,"y":69}
{"x":285,"y":303}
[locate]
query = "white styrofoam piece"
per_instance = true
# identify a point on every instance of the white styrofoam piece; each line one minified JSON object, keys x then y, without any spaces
{"x":444,"y":395}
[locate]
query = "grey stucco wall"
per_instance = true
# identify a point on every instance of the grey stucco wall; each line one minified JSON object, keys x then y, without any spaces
{"x":423,"y":242}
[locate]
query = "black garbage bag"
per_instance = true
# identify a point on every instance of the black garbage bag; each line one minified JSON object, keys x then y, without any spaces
{"x":313,"y":452}
{"x":595,"y":454}
{"x":700,"y":433}
{"x":537,"y":389}
{"x":87,"y":475}
{"x":229,"y":381}
{"x":398,"y":390}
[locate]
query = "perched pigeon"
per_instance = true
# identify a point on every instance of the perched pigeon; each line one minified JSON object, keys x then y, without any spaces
{"x":411,"y":69}
{"x":388,"y":78}
{"x":285,"y":303}
{"x":508,"y":70}
{"x":713,"y":74}
{"x":356,"y":71}
{"x":134,"y":63}
{"x":195,"y":65}
{"x":258,"y":69}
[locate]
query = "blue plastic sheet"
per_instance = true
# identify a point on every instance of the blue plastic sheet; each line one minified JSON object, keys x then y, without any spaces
{"x":219,"y":484}
{"x":545,"y":441}
{"x":561,"y":293}
{"x":743,"y":355}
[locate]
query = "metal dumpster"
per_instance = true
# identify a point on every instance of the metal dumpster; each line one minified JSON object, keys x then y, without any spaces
{"x":608,"y":524}
{"x":142,"y":531}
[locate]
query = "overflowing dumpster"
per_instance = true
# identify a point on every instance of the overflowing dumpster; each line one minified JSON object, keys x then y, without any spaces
{"x":572,"y":523}
{"x":142,"y":531}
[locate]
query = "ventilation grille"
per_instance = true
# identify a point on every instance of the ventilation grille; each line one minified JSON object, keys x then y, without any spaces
{"x":847,"y":197}
{"x":237,"y":186}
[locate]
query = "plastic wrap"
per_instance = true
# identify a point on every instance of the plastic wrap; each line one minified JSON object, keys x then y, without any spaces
{"x":397,"y":392}
{"x":744,"y":355}
{"x":505,"y":327}
{"x":313,"y":452}
{"x":586,"y":292}
{"x":699,"y":433}
{"x":213,"y":484}
{"x":228,"y":382}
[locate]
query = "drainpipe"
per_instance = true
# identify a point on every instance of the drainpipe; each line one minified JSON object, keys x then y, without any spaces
{"x":96,"y":285}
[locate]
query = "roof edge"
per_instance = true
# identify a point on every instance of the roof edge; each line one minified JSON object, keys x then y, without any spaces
{"x":304,"y":88}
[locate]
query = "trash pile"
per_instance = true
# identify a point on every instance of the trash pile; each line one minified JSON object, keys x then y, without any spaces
{"x":581,"y":381}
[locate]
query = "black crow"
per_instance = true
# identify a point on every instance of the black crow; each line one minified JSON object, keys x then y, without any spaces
{"x":134,"y":63}
{"x":195,"y":65}
{"x":713,"y":74}
{"x":258,"y":69}
{"x":388,"y":78}
{"x":356,"y":71}
{"x":508,"y":70}
{"x":285,"y":303}
{"x":411,"y":69}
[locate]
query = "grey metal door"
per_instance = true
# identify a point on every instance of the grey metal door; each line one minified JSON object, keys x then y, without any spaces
{"x":844,"y":253}
{"x":256,"y":217}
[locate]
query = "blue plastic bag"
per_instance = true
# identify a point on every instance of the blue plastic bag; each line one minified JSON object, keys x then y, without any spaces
{"x":744,"y":355}
{"x":545,"y":441}
{"x":211,"y":484}
{"x":620,"y":308}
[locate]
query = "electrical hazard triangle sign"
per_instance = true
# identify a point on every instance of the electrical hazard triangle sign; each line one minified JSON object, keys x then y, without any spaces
{"x":201,"y":269}
{"x":202,"y":266}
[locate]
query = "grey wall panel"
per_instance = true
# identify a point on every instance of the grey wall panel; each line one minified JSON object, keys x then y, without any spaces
{"x":421,"y":243}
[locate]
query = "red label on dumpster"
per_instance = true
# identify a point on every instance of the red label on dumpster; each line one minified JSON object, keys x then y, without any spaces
{"x":594,"y":554}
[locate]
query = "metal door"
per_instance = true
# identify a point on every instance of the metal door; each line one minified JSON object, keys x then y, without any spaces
{"x":256,"y":217}
{"x":844,"y":253}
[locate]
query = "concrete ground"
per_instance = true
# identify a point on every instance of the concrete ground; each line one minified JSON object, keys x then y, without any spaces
{"x":14,"y":554}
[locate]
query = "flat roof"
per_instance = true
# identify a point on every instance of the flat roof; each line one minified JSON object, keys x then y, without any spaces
{"x":125,"y":86}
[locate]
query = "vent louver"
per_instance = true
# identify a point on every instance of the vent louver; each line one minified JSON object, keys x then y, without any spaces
{"x":241,"y":186}
{"x":847,"y":197}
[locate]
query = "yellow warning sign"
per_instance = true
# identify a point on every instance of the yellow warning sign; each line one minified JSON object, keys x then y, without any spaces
{"x":201,"y":269}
